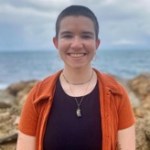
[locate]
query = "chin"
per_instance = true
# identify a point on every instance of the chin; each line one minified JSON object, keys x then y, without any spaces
{"x":79,"y":67}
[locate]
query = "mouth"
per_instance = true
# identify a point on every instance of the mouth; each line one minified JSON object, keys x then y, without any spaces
{"x":76,"y":55}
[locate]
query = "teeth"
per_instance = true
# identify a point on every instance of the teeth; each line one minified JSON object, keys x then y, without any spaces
{"x":77,"y":54}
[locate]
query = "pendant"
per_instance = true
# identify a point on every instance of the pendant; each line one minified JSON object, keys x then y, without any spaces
{"x":78,"y":112}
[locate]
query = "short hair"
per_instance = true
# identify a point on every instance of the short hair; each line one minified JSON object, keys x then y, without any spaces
{"x":77,"y":10}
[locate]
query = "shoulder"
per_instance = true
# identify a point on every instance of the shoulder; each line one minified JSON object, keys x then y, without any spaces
{"x":48,"y":81}
{"x":44,"y":88}
{"x":109,"y":82}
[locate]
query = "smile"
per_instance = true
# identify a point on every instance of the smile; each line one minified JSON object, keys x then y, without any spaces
{"x":76,"y":54}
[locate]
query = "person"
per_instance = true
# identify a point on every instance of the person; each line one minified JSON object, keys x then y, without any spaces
{"x":78,"y":107}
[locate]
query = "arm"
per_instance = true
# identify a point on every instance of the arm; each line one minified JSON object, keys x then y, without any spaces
{"x":27,"y":124}
{"x":126,"y":139}
{"x":25,"y":142}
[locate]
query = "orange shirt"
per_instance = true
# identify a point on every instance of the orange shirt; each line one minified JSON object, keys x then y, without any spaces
{"x":115,"y":107}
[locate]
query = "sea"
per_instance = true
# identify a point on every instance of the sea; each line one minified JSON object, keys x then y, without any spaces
{"x":16,"y":66}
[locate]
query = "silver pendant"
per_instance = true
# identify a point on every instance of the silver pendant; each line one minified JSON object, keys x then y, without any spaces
{"x":78,"y":112}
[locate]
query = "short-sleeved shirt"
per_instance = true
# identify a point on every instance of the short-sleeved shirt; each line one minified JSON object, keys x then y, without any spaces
{"x":115,"y":109}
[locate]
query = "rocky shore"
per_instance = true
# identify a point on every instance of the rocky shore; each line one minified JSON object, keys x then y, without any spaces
{"x":13,"y":97}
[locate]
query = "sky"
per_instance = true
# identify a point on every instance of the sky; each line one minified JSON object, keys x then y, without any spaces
{"x":30,"y":24}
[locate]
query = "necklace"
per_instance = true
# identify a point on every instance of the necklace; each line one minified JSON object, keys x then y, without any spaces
{"x":78,"y":110}
{"x":81,"y":83}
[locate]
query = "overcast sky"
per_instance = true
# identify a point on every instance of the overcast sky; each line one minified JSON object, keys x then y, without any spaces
{"x":30,"y":24}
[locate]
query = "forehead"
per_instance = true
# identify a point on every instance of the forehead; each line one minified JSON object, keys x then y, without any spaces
{"x":78,"y":22}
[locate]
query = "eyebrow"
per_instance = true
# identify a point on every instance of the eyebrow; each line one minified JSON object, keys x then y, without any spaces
{"x":65,"y":32}
{"x":88,"y":33}
{"x":84,"y":32}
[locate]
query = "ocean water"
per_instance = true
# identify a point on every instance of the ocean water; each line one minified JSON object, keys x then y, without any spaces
{"x":28,"y":65}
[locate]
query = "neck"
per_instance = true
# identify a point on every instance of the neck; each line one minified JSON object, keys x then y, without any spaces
{"x":78,"y":76}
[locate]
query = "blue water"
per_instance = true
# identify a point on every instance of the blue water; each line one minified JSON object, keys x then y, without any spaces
{"x":27,"y":65}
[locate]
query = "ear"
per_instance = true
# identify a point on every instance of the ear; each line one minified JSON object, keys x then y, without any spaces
{"x":55,"y":41}
{"x":97,"y":43}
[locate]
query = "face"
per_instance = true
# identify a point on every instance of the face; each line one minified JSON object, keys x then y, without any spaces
{"x":76,"y":41}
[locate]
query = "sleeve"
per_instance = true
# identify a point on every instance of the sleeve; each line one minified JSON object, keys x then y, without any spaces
{"x":126,"y":116}
{"x":29,"y":116}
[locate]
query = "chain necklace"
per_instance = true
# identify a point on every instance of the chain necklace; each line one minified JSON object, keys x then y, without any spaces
{"x":78,"y":110}
{"x":81,"y":83}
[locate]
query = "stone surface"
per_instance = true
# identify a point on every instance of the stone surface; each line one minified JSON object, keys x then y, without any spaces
{"x":6,"y":98}
{"x":11,"y":101}
{"x":141,"y":87}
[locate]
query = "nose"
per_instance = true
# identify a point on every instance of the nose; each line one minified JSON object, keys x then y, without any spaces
{"x":76,"y":43}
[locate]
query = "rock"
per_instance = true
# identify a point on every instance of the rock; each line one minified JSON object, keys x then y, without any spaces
{"x":8,"y":128}
{"x":4,"y":105}
{"x":8,"y":146}
{"x":6,"y":98}
{"x":147,"y":128}
{"x":141,"y":85}
{"x":11,"y":101}
{"x":141,"y":140}
{"x":9,"y":138}
{"x":22,"y":95}
{"x":15,"y":88}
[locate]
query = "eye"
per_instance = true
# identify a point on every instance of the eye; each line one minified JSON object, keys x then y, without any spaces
{"x":67,"y":36}
{"x":86,"y":36}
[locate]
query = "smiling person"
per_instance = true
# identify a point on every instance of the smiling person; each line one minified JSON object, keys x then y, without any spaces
{"x":79,"y":107}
